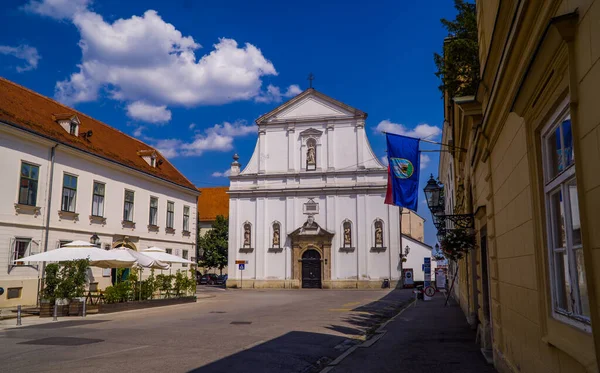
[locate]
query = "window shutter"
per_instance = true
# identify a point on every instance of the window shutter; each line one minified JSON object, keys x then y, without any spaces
{"x":34,"y":247}
{"x":11,"y":252}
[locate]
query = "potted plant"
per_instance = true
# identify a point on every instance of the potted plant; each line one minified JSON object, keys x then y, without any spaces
{"x":456,"y":243}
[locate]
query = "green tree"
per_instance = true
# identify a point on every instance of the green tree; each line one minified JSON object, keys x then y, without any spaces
{"x":458,"y":66}
{"x":214,"y":244}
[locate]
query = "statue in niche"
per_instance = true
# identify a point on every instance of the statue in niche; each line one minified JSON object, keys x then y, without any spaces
{"x":276,"y":235}
{"x":378,"y":234}
{"x":247,"y":235}
{"x":311,"y":157}
{"x":347,"y":234}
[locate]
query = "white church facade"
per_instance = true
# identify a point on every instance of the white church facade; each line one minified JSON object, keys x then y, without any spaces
{"x":308,"y":209}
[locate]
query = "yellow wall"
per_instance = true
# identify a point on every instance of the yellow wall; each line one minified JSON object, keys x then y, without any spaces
{"x":502,"y":176}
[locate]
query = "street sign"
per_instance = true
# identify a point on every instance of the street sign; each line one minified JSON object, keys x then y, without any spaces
{"x":427,"y":260}
{"x":241,"y":266}
{"x":430,"y":291}
{"x":241,"y":262}
{"x":408,"y":278}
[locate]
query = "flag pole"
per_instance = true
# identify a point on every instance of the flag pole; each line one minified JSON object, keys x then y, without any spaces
{"x":401,"y":262}
{"x":428,"y":141}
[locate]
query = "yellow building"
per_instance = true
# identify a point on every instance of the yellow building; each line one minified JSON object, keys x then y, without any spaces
{"x":530,"y":176}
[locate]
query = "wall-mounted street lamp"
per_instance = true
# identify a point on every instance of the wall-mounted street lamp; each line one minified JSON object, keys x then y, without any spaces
{"x":434,"y":193}
{"x":95,"y":240}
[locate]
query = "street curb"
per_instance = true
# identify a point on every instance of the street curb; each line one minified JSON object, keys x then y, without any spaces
{"x":380,"y":332}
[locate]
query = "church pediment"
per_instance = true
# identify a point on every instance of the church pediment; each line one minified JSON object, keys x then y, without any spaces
{"x":311,"y":228}
{"x":311,"y":132}
{"x":311,"y":104}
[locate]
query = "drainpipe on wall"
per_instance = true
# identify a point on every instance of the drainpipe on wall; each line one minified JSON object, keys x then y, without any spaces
{"x":47,"y":226}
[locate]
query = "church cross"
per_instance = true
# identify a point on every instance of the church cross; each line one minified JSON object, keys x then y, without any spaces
{"x":311,"y":77}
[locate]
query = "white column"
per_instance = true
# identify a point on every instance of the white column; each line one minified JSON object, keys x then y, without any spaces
{"x":259,"y":231}
{"x":330,"y":147}
{"x":289,"y":227}
{"x":291,"y":133}
{"x":262,"y":150}
{"x":233,"y":238}
{"x":362,"y":250}
{"x":360,"y":136}
{"x":329,"y":212}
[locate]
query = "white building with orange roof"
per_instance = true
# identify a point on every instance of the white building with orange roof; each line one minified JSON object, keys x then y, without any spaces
{"x":67,"y":176}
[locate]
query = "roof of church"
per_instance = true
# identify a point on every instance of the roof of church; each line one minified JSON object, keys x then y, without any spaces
{"x":34,"y":113}
{"x":308,"y":92}
{"x":213,"y":202}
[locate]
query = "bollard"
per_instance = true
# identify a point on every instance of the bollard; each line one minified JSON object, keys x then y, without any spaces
{"x":19,"y":315}
{"x":55,"y":313}
{"x":83,"y":309}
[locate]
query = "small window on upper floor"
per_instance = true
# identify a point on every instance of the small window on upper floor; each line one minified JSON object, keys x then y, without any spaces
{"x":150,"y":156}
{"x":69,"y":122}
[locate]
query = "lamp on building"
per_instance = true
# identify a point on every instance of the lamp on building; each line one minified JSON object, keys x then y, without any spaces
{"x":406,"y":251}
{"x":95,"y":240}
{"x":434,"y":193}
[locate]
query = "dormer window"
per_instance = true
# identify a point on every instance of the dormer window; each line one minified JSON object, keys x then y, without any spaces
{"x":69,"y":122}
{"x":150,"y":156}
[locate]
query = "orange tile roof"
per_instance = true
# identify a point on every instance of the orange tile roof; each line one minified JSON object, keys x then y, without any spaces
{"x":30,"y":111}
{"x":213,"y":202}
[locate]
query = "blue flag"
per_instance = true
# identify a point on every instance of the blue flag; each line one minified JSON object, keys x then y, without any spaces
{"x":403,"y":171}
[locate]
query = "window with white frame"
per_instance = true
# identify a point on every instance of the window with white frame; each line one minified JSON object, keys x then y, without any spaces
{"x":170,"y":214}
{"x":184,"y":255}
{"x":98,"y":199}
{"x":28,"y":184}
{"x":69,"y":194}
{"x":153,"y":211}
{"x":186,"y":218}
{"x":567,"y":271}
{"x":21,"y":249}
{"x":128,"y":206}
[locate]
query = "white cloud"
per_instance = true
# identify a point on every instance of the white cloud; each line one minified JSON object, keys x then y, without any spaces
{"x":23,"y":52}
{"x":192,"y":126}
{"x":148,"y":113}
{"x":58,"y":9}
{"x":424,"y":160}
{"x":421,"y":131}
{"x":216,"y":138}
{"x":384,"y":161}
{"x":225,"y":173}
{"x":139,"y":131}
{"x":144,"y":58}
{"x":273,"y":94}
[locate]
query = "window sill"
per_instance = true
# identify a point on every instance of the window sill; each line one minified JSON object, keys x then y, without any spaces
{"x":170,"y":230}
{"x":347,"y":249}
{"x":97,"y":220}
{"x":378,"y":249}
{"x":571,"y":339}
{"x":275,"y":249}
{"x":128,"y":224}
{"x":27,"y":209}
{"x":153,"y":228}
{"x":246,"y":249}
{"x":186,"y":233}
{"x":68,"y":215}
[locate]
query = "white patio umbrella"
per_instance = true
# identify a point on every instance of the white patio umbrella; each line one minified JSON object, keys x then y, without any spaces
{"x":77,"y":250}
{"x":126,"y":258}
{"x":160,"y":254}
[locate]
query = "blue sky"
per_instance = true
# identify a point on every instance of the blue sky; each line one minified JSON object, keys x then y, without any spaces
{"x":190,"y":77}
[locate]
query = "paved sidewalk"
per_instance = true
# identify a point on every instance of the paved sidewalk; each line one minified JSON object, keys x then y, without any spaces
{"x":425,"y":337}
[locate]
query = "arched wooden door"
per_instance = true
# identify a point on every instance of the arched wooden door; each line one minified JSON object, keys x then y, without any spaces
{"x":311,"y":269}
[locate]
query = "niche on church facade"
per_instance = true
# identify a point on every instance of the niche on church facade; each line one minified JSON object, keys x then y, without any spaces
{"x":276,"y":238}
{"x":378,"y":242}
{"x":347,"y":236}
{"x":310,"y":140}
{"x":247,"y":238}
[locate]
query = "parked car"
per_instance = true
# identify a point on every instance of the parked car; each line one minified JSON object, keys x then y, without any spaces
{"x":221,"y":280}
{"x":208,"y":279}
